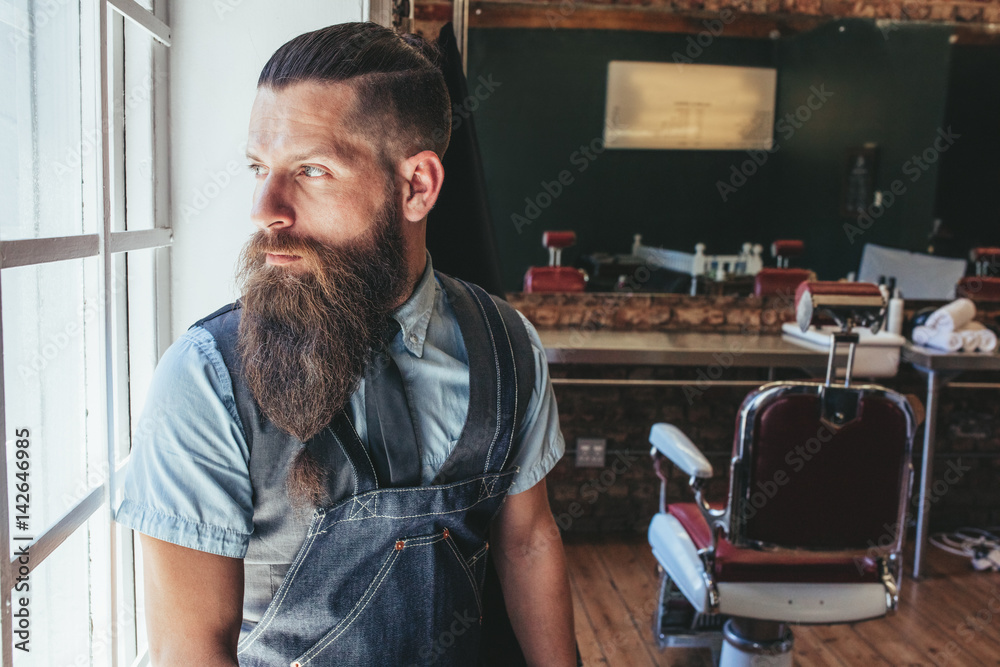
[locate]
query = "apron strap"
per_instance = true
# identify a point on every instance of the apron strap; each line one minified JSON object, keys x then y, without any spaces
{"x":501,"y":377}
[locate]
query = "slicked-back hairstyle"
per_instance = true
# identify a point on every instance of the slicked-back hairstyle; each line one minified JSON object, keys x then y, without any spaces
{"x":403,"y":103}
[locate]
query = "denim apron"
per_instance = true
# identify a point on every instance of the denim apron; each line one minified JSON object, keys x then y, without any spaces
{"x":394,"y":576}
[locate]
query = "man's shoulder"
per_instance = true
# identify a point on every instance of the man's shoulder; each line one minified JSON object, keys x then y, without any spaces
{"x":225,"y":316}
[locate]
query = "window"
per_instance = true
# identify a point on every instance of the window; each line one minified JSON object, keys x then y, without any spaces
{"x":84,"y":239}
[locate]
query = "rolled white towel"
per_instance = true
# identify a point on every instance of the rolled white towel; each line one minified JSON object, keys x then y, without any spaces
{"x":987,"y":341}
{"x":952,"y":317}
{"x":977,"y":338}
{"x":970,"y":339}
{"x":942,"y":340}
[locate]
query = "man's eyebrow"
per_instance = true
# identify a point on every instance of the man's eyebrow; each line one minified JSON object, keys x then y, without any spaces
{"x":340,"y":151}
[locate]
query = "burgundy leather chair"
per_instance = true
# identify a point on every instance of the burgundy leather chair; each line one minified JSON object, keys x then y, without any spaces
{"x":781,"y":280}
{"x":985,"y":285}
{"x":783,"y":249}
{"x":812,"y":528}
{"x":776,"y":282}
{"x":554,"y":277}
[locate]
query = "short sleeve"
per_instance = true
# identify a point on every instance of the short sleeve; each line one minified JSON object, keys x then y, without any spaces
{"x":187,"y":480}
{"x":541,"y":442}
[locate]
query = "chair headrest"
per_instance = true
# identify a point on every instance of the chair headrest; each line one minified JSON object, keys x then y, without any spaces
{"x":563,"y":239}
{"x":985,"y":254}
{"x":849,"y":304}
{"x":775,"y":282}
{"x":787,"y":248}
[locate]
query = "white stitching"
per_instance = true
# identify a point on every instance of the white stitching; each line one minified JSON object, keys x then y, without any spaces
{"x":364,"y":451}
{"x":272,"y":609}
{"x":393,"y":556}
{"x":353,"y":615}
{"x":513,"y":426}
{"x":468,"y":574}
{"x":496,"y":364}
{"x":354,"y":470}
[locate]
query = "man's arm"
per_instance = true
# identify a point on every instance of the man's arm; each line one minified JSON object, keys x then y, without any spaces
{"x":531,"y":565}
{"x":194,"y":605}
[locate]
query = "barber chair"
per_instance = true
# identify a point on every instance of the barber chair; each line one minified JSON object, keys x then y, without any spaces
{"x":779,"y":280}
{"x":784,"y":249}
{"x":812,"y":529}
{"x":985,"y":285}
{"x":554,"y":277}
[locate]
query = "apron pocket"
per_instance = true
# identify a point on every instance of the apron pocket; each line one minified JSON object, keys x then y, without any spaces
{"x":423,"y":601}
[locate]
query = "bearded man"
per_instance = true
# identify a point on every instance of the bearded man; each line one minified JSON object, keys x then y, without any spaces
{"x":324,"y":468}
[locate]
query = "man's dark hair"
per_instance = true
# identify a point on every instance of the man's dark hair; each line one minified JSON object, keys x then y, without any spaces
{"x":402,"y":97}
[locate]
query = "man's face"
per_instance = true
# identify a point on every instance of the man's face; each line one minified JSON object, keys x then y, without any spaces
{"x":327,"y":265}
{"x":317,"y":177}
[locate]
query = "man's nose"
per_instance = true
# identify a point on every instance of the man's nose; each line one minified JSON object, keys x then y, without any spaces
{"x":272,"y":209}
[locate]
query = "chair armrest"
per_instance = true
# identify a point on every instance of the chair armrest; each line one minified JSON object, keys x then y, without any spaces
{"x":671,"y":442}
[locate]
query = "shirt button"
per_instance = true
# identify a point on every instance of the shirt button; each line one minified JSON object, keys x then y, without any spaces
{"x":413,"y":338}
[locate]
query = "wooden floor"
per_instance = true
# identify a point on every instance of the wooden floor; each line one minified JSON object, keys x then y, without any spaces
{"x":952,"y":617}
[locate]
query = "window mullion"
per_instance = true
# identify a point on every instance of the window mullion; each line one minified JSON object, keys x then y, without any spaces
{"x":108,"y":125}
{"x":6,"y":573}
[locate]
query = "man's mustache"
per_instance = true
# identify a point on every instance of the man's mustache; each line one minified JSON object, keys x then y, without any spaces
{"x":283,"y":243}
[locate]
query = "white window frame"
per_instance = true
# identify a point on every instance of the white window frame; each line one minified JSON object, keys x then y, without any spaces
{"x":107,"y":244}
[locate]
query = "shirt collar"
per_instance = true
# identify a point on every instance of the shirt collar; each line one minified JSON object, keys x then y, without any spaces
{"x":415,"y":314}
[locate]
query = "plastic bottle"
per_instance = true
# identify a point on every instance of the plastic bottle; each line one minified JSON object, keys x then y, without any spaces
{"x":894,"y":315}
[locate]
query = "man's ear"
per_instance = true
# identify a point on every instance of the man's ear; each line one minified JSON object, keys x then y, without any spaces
{"x":423,"y":175}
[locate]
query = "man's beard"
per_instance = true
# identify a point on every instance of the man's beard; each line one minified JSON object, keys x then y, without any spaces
{"x":306,"y":336}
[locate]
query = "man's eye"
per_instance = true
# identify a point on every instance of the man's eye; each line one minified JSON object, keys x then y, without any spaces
{"x":256,"y":169}
{"x":312,"y":172}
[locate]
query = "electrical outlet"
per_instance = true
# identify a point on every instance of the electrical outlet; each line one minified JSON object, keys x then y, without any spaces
{"x":590,"y":452}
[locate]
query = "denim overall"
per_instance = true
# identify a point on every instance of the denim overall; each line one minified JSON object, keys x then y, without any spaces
{"x":383,"y":576}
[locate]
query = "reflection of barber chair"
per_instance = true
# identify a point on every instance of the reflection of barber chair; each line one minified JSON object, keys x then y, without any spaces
{"x":781,"y":279}
{"x":555,"y":278}
{"x":985,"y":285}
{"x":812,"y":530}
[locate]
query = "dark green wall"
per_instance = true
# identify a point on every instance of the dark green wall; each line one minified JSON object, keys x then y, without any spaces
{"x":551,"y":102}
{"x":887,"y":88}
{"x":968,"y":199}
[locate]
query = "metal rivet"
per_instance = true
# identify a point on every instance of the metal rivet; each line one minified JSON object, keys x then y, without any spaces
{"x":446,"y":533}
{"x":399,"y":544}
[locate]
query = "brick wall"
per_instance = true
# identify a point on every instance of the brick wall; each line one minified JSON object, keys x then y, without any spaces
{"x":431,"y":15}
{"x":623,"y":495}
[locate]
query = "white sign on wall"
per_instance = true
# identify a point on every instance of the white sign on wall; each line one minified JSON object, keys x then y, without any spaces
{"x":684,"y":106}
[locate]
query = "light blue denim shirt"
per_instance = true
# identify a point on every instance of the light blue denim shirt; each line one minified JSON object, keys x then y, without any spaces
{"x":188,"y":479}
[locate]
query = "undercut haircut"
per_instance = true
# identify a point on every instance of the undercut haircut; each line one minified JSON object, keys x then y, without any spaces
{"x":402,"y":100}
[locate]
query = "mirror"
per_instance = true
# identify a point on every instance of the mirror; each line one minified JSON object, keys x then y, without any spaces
{"x":919,"y":102}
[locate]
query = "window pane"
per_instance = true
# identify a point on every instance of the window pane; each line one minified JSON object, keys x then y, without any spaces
{"x":137,"y":107}
{"x":142,"y":355}
{"x":60,"y":605}
{"x":44,"y":153}
{"x":53,"y":380}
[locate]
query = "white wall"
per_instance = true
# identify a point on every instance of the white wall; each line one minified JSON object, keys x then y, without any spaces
{"x":219,"y":48}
